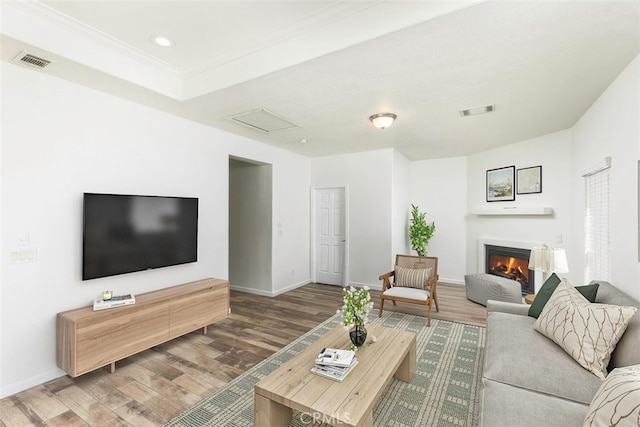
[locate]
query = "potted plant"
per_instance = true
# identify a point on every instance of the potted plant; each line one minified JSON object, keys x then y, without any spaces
{"x":354,"y":312}
{"x":419,"y":231}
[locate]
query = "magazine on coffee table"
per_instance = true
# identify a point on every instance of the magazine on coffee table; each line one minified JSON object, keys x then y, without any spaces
{"x":334,"y":372}
{"x":335,"y":357}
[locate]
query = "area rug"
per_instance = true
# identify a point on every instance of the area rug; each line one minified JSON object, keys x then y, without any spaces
{"x":443,"y":391}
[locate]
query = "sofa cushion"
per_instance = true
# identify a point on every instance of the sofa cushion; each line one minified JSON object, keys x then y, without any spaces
{"x":588,"y":332}
{"x":589,"y":291}
{"x":412,"y":277}
{"x":617,"y":401}
{"x":410,"y":293}
{"x":518,"y":355}
{"x":627,"y":351}
{"x":503,"y":405}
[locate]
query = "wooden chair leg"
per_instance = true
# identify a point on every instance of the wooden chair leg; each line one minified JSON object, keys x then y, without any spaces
{"x":435,"y":299}
{"x":429,"y":314}
{"x":381,"y":305}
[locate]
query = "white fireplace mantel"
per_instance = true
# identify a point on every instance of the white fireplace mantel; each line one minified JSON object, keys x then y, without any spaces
{"x":514,"y":210}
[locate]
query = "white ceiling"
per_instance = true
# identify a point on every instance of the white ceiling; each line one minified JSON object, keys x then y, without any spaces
{"x":328,"y":65}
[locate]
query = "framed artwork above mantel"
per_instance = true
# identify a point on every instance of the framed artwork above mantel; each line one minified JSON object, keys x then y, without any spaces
{"x":500,"y":184}
{"x":529,"y":180}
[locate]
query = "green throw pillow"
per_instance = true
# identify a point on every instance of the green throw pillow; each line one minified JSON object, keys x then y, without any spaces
{"x":542,"y":296}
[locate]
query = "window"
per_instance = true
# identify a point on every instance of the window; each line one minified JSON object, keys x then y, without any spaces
{"x":597,"y":258}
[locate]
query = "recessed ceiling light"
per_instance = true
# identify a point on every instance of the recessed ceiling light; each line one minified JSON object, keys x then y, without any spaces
{"x":477,"y":110}
{"x":162,"y":41}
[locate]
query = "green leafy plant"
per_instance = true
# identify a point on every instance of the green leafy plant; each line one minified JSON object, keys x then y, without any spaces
{"x":419,"y":231}
{"x":356,"y":307}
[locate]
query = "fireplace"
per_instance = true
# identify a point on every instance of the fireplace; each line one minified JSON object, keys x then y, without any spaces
{"x":512,"y":263}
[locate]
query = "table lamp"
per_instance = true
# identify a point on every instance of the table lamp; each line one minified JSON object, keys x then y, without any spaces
{"x":548,"y":260}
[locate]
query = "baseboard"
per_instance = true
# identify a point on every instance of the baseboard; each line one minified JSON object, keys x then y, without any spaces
{"x":12,"y":389}
{"x":451,"y":281}
{"x":267,"y":293}
{"x":377,"y":286}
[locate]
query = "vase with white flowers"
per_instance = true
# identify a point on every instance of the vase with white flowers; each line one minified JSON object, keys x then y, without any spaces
{"x":355,"y":310}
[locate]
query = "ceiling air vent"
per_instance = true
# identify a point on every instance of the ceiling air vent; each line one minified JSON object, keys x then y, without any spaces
{"x":477,"y":110}
{"x":31,"y":61}
{"x":263,"y":120}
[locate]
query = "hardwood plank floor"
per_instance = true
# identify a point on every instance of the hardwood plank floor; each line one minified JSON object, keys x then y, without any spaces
{"x":154,"y":386}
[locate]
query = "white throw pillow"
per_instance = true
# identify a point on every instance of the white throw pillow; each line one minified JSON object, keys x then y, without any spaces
{"x":412,"y":277}
{"x":587,"y":332}
{"x":617,"y":402}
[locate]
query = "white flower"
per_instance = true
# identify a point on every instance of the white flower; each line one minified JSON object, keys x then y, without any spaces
{"x":356,"y":307}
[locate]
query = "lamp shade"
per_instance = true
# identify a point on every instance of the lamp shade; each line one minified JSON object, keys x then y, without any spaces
{"x":548,"y":260}
{"x":382,"y":120}
{"x":538,"y":259}
{"x":559,"y":260}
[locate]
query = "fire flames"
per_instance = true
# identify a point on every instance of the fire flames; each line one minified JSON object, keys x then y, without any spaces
{"x":510,"y":267}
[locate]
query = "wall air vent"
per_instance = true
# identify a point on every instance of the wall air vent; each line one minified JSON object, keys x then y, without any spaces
{"x":31,"y":61}
{"x":263,"y":120}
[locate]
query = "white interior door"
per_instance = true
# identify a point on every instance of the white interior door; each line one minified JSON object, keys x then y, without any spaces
{"x":330,"y":236}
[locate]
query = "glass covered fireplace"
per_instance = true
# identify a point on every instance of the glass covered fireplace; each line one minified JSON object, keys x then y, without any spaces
{"x":512,"y":263}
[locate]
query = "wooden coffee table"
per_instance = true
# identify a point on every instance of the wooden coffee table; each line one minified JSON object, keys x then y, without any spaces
{"x":346,"y":403}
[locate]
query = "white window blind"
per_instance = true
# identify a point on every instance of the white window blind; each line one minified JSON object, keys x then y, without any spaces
{"x":597,"y":263}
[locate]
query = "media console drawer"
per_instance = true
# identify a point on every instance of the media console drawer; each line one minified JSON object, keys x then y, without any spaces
{"x":87,"y":339}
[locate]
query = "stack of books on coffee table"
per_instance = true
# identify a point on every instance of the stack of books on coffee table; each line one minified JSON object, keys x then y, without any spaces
{"x":335,"y":363}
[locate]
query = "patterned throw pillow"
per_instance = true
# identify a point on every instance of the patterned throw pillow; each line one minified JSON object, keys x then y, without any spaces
{"x":587,"y":332}
{"x":544,"y":293}
{"x":617,"y":402}
{"x":412,"y":277}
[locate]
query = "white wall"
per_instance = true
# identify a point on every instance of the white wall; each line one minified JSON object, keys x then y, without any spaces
{"x":59,"y":140}
{"x":400,"y":201}
{"x":611,"y":127}
{"x":553,"y":153}
{"x":439,"y":188}
{"x":250,"y":238}
{"x":368,"y":177}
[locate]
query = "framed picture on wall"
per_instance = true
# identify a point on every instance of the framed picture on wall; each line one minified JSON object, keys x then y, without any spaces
{"x":500,"y":184}
{"x":529,"y":180}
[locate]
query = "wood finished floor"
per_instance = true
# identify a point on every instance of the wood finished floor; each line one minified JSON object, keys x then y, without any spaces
{"x":154,"y":386}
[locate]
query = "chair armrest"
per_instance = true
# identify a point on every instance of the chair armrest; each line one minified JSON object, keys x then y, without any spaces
{"x":386,"y":275}
{"x":507,"y":307}
{"x":386,"y":284}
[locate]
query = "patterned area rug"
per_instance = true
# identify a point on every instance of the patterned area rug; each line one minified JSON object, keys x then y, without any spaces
{"x":443,"y":391}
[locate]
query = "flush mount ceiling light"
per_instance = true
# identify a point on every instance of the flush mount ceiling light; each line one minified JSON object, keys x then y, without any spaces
{"x":382,"y":120}
{"x":477,"y":110}
{"x":161,"y":41}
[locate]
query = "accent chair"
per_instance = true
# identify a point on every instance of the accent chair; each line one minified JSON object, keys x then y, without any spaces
{"x":414,"y":281}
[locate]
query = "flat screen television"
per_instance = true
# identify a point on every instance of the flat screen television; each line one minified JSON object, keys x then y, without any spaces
{"x":127,"y":233}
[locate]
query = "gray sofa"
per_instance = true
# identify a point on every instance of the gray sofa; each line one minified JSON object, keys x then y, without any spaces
{"x":529,"y":380}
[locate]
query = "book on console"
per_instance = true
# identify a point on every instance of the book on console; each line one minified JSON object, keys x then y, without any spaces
{"x":335,"y":357}
{"x":115,"y":301}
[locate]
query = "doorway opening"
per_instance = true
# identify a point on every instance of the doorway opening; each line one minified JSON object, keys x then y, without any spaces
{"x":250,"y":219}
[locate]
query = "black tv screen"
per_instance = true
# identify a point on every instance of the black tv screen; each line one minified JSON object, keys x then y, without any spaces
{"x":127,"y":233}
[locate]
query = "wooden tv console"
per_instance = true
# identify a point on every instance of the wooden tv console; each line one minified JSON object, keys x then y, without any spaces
{"x":87,"y":339}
